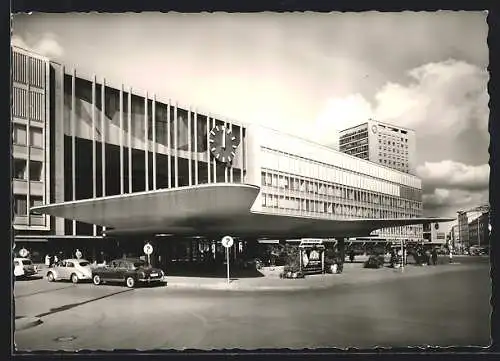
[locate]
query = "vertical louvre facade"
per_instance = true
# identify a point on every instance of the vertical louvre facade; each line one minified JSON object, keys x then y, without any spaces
{"x":31,"y":139}
{"x":114,"y":141}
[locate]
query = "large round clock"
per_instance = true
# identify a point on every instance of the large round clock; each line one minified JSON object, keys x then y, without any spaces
{"x":223,"y":144}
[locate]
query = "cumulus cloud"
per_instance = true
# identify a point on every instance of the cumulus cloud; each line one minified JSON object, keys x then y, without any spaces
{"x":453,"y":175}
{"x":446,"y":103}
{"x":46,"y":44}
{"x":446,"y":96}
{"x":446,"y":202}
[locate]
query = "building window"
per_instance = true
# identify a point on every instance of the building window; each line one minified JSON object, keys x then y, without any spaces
{"x":36,"y":201}
{"x":36,"y":138}
{"x":19,"y":171}
{"x":35,"y":171}
{"x":19,"y":134}
{"x":20,"y":204}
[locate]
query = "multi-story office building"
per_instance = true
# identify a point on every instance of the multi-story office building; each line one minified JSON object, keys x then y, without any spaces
{"x":478,"y":231}
{"x":382,"y":143}
{"x":101,"y":139}
{"x":305,"y":179}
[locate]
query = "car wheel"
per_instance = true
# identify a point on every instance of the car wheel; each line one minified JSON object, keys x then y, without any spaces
{"x":130,"y":282}
{"x":50,"y":277}
{"x":97,"y":280}
{"x":74,"y":278}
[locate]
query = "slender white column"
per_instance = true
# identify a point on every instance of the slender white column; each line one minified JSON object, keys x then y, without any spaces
{"x":155,"y":144}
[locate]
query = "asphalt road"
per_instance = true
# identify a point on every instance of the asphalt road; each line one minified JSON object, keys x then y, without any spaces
{"x":446,"y":309}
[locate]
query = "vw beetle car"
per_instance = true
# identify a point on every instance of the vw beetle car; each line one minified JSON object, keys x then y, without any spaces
{"x":131,"y":271}
{"x":23,"y":267}
{"x":75,"y":270}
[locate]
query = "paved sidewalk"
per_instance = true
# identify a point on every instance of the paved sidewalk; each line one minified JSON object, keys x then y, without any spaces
{"x":354,"y":273}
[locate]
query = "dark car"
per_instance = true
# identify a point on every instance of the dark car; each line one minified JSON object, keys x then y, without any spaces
{"x":130,"y":271}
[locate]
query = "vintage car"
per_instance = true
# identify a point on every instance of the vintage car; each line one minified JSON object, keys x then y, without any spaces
{"x":131,"y":271}
{"x":72,"y":269}
{"x":23,"y":267}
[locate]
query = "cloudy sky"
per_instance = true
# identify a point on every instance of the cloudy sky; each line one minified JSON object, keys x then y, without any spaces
{"x":306,"y":74}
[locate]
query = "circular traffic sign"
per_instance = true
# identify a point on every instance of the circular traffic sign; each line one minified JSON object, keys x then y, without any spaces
{"x":148,"y":249}
{"x":227,"y":241}
{"x":23,"y":252}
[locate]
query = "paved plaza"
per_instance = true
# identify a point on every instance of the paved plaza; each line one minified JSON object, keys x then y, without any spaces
{"x":440,"y":305}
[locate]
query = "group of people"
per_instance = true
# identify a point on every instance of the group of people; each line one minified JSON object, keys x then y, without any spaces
{"x":51,"y":260}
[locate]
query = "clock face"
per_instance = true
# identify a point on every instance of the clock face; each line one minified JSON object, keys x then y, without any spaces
{"x":223,"y":144}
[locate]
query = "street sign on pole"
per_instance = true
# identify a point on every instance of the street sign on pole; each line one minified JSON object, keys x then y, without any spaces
{"x":23,"y":252}
{"x":227,"y":242}
{"x":148,"y":249}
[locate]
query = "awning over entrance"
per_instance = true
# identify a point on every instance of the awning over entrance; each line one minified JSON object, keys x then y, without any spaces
{"x":210,"y":210}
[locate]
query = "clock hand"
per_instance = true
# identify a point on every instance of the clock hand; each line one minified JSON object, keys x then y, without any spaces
{"x":224,"y":138}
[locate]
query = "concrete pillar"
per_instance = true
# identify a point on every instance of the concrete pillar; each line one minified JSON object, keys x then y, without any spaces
{"x":341,"y":253}
{"x":251,"y":247}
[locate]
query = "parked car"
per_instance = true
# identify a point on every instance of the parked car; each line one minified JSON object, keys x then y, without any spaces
{"x":23,"y":267}
{"x":131,"y":271}
{"x":75,"y":270}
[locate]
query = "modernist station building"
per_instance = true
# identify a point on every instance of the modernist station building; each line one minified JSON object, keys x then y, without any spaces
{"x":82,"y":142}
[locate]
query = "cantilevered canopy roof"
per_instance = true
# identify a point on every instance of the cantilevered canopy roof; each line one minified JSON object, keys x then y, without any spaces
{"x":209,"y":210}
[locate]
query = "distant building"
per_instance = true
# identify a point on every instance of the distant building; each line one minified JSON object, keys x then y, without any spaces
{"x":463,"y":229}
{"x":478,"y":231}
{"x":455,"y":237}
{"x":381,"y":143}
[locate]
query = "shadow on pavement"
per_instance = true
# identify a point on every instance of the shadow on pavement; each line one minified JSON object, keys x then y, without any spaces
{"x":213,"y":272}
{"x":73,"y":305}
{"x":44,"y":291}
{"x":30,"y":278}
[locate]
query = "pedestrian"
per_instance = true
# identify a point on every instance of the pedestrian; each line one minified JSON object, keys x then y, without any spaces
{"x":55,"y":259}
{"x":434,"y":256}
{"x":351,"y":255}
{"x":451,"y":256}
{"x":47,"y":260}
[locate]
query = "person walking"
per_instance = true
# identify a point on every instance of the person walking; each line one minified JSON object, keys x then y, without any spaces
{"x":434,"y":256}
{"x":351,"y":256}
{"x":451,"y":256}
{"x":47,"y":260}
{"x":427,"y":257}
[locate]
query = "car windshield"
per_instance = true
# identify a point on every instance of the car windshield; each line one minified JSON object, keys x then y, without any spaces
{"x":139,"y":264}
{"x":84,"y":263}
{"x":26,"y":262}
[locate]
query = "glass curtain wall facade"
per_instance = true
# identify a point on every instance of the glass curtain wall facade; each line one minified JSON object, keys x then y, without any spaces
{"x":30,"y":142}
{"x":115,"y":141}
{"x":298,"y":185}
